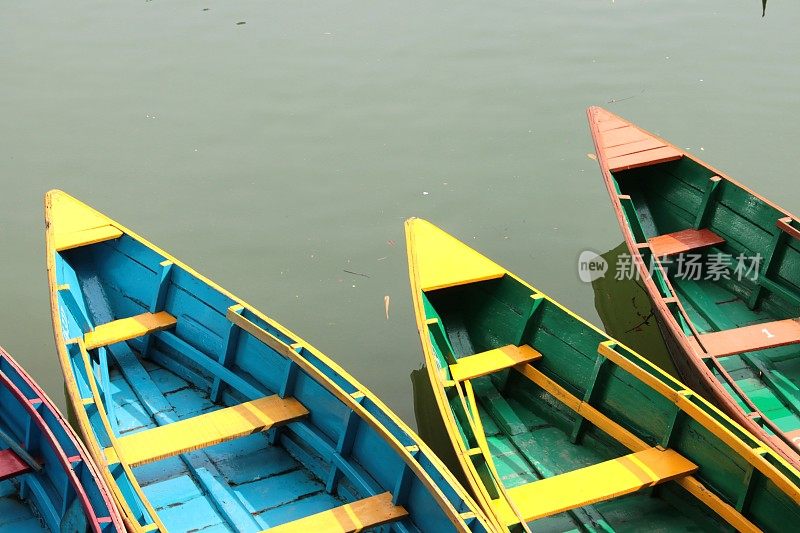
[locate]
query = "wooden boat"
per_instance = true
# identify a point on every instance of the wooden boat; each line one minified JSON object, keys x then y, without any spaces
{"x":206,"y":415}
{"x":558,"y":426}
{"x":47,"y":481}
{"x":733,"y":333}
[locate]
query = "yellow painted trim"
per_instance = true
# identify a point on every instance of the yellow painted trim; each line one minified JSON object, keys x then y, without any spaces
{"x":505,"y":506}
{"x":610,"y":427}
{"x":712,"y":501}
{"x":632,"y":442}
{"x":128,"y":328}
{"x":752,"y":452}
{"x":208,"y":429}
{"x":348,"y":518}
{"x":439,"y":384}
{"x":599,"y":482}
{"x":350,"y":400}
{"x":84,"y":427}
{"x":103,"y":460}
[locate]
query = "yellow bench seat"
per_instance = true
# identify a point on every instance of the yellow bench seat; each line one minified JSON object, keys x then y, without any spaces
{"x":349,"y":518}
{"x":491,"y":361}
{"x":207,"y":429}
{"x":127,"y":328}
{"x":599,"y":482}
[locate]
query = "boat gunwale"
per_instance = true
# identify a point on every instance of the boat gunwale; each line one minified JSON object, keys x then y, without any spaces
{"x":789,"y":453}
{"x":329,"y":384}
{"x":700,"y":413}
{"x":53,"y":442}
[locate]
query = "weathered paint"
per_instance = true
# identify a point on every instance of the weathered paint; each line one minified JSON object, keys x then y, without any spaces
{"x":734,"y":340}
{"x":206,"y":378}
{"x":47,"y":480}
{"x":586,"y":401}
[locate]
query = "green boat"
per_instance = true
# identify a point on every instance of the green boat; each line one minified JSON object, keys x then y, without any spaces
{"x":721,"y":266}
{"x":558,"y":427}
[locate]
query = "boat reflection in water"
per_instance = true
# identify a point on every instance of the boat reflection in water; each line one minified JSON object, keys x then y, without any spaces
{"x":626,"y":310}
{"x":627,"y":315}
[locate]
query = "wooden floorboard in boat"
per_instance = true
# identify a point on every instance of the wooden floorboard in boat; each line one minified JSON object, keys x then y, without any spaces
{"x":246,"y":466}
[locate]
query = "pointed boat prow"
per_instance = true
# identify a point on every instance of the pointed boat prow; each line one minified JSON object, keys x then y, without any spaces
{"x":72,"y":224}
{"x":205,"y":414}
{"x":554,"y":424}
{"x":621,"y":145}
{"x":440,"y":260}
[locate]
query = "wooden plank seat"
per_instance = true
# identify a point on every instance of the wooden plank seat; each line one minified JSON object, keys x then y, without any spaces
{"x":85,"y":237}
{"x":208,"y":429}
{"x":128,"y":328}
{"x":491,"y":361}
{"x":688,"y":240}
{"x":786,"y":225}
{"x":349,"y":518}
{"x":749,"y":338}
{"x":628,"y":439}
{"x":12,"y":465}
{"x":599,"y":482}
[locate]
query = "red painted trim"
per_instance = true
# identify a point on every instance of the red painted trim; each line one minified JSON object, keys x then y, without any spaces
{"x":700,"y":372}
{"x":29,"y":405}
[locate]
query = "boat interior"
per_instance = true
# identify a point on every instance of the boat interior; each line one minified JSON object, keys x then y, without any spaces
{"x":552,"y":415}
{"x":215,"y":419}
{"x":36,"y":493}
{"x":730,"y":275}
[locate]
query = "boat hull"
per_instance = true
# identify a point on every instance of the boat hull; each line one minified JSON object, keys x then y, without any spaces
{"x":540,"y":407}
{"x":689,"y":357}
{"x":209,"y":415}
{"x":48,"y":480}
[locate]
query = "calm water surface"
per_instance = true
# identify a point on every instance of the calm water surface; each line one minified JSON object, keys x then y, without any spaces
{"x":274,"y":155}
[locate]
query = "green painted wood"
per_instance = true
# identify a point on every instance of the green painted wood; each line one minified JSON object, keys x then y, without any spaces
{"x":588,"y":395}
{"x":707,"y":204}
{"x":532,"y":435}
{"x":681,"y":195}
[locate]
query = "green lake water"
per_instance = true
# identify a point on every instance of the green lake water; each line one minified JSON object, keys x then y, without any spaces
{"x":275,"y":155}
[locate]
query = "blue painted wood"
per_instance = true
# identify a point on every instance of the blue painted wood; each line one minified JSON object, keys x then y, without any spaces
{"x":307,"y":506}
{"x":68,"y":300}
{"x":403,"y":485}
{"x":16,"y":515}
{"x":205,"y":362}
{"x":202,"y":469}
{"x":160,"y":295}
{"x":231,"y":343}
{"x":104,"y":385}
{"x":9,"y":442}
{"x":140,"y":384}
{"x":159,"y":299}
{"x":31,"y":427}
{"x":289,"y":379}
{"x":73,"y":518}
{"x":179,"y":345}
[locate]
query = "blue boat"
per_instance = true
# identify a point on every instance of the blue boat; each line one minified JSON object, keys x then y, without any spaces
{"x":47,"y":481}
{"x":206,"y":415}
